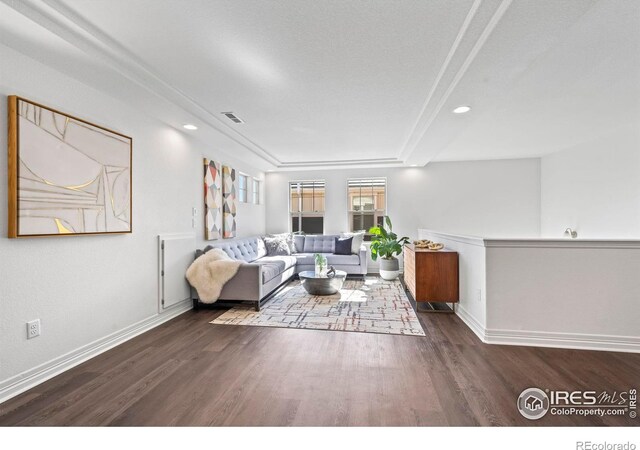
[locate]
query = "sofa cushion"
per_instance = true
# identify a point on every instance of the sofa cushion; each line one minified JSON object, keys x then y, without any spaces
{"x":245,"y":249}
{"x":319,"y":244}
{"x":343,"y":260}
{"x":272,"y":266}
{"x":343,"y":245}
{"x":307,"y":259}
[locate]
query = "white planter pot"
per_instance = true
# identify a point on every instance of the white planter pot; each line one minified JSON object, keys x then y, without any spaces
{"x":389,"y":269}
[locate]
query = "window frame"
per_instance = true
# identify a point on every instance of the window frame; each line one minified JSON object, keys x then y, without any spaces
{"x":300,"y":213}
{"x":255,"y":191}
{"x":246,"y":188}
{"x":376,"y":212}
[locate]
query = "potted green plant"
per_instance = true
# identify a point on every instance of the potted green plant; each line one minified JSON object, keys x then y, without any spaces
{"x":385,"y":245}
{"x":321,"y":264}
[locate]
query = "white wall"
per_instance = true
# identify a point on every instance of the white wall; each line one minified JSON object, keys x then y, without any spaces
{"x":549,"y":292}
{"x":86,"y":288}
{"x":472,"y":305}
{"x":593,"y":188}
{"x":575,"y":294}
{"x":475,"y":198}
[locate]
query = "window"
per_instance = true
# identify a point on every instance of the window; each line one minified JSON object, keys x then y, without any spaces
{"x":306,"y":206}
{"x":367,"y":203}
{"x":242,"y":188}
{"x":256,"y":192}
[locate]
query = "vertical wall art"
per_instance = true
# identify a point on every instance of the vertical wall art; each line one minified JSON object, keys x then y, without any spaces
{"x":229,"y":202}
{"x":66,"y":176}
{"x":212,"y":200}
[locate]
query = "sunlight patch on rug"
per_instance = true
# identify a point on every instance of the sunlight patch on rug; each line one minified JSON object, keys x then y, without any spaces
{"x":370,"y":306}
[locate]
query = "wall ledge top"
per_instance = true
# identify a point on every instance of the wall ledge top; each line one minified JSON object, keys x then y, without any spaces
{"x":535,"y":242}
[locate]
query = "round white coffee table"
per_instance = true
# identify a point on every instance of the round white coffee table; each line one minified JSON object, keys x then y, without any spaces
{"x":322,"y":285}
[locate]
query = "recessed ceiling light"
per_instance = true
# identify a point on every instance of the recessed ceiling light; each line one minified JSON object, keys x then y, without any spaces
{"x":414,"y":165}
{"x":190,"y":127}
{"x":462,"y":109}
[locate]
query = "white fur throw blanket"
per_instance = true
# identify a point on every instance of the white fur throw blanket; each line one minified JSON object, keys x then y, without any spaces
{"x":209,"y":273}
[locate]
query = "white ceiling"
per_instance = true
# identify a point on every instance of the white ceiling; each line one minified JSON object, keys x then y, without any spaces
{"x":364,"y":83}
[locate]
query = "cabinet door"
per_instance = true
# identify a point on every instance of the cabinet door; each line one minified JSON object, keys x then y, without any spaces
{"x":437,"y":276}
{"x":409,"y":271}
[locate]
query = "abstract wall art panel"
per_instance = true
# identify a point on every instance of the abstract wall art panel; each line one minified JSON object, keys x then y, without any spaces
{"x":229,"y":202}
{"x":212,"y":200}
{"x":66,"y":176}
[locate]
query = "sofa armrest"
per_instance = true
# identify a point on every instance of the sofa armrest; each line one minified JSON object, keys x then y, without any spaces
{"x":245,"y":285}
{"x":364,"y":259}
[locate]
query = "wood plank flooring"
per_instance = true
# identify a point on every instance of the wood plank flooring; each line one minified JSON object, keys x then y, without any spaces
{"x":188,"y":372}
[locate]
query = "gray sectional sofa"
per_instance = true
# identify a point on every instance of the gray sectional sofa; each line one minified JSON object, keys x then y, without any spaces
{"x":262,"y":274}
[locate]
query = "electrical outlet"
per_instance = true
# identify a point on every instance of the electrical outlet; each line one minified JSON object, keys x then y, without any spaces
{"x":33,"y":329}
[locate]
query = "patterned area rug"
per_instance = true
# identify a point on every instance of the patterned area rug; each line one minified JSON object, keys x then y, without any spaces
{"x":370,"y":306}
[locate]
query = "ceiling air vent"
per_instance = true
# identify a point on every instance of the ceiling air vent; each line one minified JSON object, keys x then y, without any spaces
{"x":232,"y":117}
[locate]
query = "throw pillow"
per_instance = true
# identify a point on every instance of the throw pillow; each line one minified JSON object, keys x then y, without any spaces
{"x":298,"y":243}
{"x":199,"y":252}
{"x":276,"y":246}
{"x":288,"y":238}
{"x":358,"y":239}
{"x":343,"y":246}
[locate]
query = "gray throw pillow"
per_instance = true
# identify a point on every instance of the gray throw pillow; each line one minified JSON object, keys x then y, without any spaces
{"x":298,"y":243}
{"x":288,"y":238}
{"x":199,"y":252}
{"x":276,"y":246}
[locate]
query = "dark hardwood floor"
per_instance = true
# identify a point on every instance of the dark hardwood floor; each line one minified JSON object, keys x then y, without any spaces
{"x":189,"y":372}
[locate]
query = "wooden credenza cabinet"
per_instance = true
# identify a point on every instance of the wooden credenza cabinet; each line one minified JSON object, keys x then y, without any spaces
{"x":431,"y":276}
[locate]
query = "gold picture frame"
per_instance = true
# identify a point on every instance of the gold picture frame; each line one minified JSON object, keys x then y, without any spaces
{"x":66,"y":176}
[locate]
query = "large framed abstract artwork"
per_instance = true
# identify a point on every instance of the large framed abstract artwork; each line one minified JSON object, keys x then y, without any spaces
{"x":66,"y":176}
{"x":229,"y":202}
{"x":212,"y":200}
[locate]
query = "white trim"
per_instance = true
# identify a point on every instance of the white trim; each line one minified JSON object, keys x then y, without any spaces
{"x":338,"y":162}
{"x":162,"y":237}
{"x":473,"y":240}
{"x":443,"y":68}
{"x":471,"y":322}
{"x":627,"y":344}
{"x":475,"y":50}
{"x":30,"y":378}
{"x":534,"y":242}
{"x":61,"y":20}
{"x":576,"y":341}
{"x":563,"y":243}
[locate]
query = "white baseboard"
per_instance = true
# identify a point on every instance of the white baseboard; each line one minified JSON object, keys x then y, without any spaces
{"x":628,"y":344}
{"x":26,"y":380}
{"x":471,"y":322}
{"x":576,"y":341}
